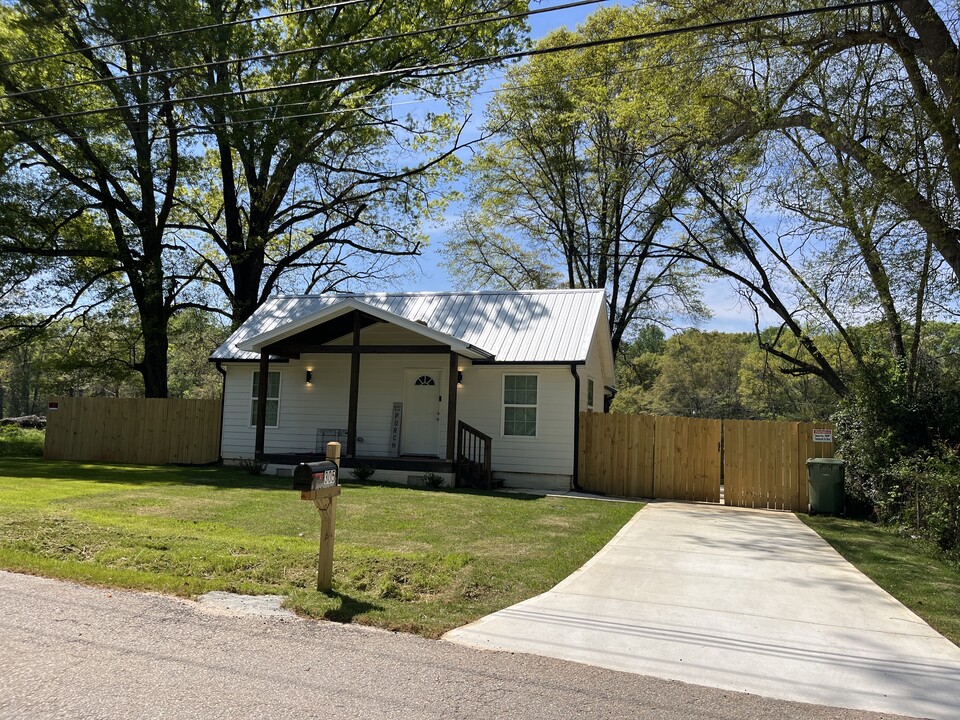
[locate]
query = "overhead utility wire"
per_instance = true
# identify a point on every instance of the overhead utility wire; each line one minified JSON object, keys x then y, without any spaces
{"x":461,"y":65}
{"x":184,"y":31}
{"x":312,"y":49}
{"x":382,"y":106}
{"x":199,"y":129}
{"x":192,"y":129}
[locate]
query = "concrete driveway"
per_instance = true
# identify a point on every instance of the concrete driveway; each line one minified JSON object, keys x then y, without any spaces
{"x":744,"y":600}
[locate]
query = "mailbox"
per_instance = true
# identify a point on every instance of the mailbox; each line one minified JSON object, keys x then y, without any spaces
{"x":316,"y":475}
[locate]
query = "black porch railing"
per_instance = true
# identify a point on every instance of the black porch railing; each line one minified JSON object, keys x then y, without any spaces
{"x":474,"y":457}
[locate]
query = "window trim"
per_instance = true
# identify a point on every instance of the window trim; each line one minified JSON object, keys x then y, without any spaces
{"x":504,"y":405}
{"x":591,"y":393}
{"x":254,"y":398}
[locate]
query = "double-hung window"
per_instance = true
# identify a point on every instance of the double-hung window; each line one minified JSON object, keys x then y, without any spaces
{"x":520,"y":405}
{"x":273,"y":398}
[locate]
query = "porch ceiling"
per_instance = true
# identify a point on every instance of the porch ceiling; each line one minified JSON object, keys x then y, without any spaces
{"x":321,"y":334}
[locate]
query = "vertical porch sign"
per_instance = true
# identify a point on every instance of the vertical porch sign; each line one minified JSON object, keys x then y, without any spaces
{"x":395,"y":421}
{"x":324,"y":491}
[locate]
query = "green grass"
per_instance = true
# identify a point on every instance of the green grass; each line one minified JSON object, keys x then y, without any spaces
{"x":910,"y":570}
{"x":20,"y":442}
{"x":422,"y":561}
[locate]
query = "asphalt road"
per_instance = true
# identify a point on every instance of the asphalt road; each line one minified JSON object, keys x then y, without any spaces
{"x":69,"y":651}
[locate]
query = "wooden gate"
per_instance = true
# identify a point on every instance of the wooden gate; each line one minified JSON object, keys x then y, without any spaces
{"x":761,"y":464}
{"x":765,"y":463}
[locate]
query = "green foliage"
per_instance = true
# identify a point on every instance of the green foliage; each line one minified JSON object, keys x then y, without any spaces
{"x":95,"y":357}
{"x":363,"y":473}
{"x":433,"y":480}
{"x":901,"y":446}
{"x":769,"y":393}
{"x":721,"y":375}
{"x":252,"y":466}
{"x":20,"y":442}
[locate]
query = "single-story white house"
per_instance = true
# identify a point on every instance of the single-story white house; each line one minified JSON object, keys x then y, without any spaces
{"x":468,"y":385}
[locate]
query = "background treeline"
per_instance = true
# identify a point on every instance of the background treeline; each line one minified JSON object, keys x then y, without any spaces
{"x":96,"y":357}
{"x":715,"y":375}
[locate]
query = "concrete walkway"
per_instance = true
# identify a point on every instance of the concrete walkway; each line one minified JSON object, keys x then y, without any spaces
{"x":744,"y":600}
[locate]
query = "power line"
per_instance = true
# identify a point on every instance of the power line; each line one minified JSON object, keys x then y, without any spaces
{"x":302,"y":51}
{"x":381,"y":106}
{"x":184,"y":31}
{"x":452,"y":67}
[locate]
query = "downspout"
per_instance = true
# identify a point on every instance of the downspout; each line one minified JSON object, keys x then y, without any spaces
{"x":576,"y":426}
{"x":223,"y":397}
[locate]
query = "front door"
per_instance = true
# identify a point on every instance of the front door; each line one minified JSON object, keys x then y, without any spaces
{"x":421,"y":413}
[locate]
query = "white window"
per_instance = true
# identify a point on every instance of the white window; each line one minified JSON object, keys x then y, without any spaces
{"x":520,"y":405}
{"x":273,"y":398}
{"x":589,"y":393}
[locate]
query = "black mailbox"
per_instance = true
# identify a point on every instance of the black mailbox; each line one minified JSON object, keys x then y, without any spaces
{"x":311,"y":476}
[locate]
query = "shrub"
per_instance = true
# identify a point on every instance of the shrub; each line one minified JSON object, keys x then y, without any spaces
{"x":362,"y":473}
{"x":433,"y":480}
{"x":902,"y":451}
{"x":252,"y":466}
{"x":20,"y":442}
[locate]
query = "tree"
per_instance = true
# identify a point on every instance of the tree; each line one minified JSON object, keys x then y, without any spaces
{"x":572,"y":189}
{"x":767,"y":393}
{"x":907,"y":138}
{"x":700,"y":375}
{"x":321,"y":183}
{"x":94,"y":189}
{"x":142,"y":161}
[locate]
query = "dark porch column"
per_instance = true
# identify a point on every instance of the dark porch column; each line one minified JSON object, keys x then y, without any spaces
{"x":452,"y":406}
{"x":262,"y":402}
{"x":354,"y":388}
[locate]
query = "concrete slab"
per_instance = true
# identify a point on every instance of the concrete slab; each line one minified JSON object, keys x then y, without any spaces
{"x":227,"y":603}
{"x":744,"y":600}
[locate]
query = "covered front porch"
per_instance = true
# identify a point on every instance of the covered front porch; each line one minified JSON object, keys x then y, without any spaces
{"x":386,"y":391}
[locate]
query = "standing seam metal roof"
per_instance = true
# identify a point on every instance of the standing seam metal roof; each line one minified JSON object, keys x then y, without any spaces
{"x":532,"y":326}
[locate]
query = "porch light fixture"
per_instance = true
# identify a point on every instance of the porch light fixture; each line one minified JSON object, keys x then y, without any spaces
{"x":309,"y":376}
{"x":459,"y":378}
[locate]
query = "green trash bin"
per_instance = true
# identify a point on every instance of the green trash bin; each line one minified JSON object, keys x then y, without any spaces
{"x":825,"y":480}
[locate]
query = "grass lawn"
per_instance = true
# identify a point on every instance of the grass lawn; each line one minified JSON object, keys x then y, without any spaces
{"x":911,"y":571}
{"x":421,"y":561}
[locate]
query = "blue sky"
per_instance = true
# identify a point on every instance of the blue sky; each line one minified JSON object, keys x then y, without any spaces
{"x":729,"y":312}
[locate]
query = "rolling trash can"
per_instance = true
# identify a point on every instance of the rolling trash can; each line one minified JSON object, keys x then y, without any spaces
{"x":825,"y":481}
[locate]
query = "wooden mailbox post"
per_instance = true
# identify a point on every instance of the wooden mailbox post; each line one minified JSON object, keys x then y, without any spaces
{"x":324,"y":494}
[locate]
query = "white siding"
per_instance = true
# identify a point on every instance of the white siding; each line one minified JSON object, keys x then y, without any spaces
{"x":381,"y":385}
{"x":598,"y":366}
{"x":481,"y":405}
{"x":303,"y":408}
{"x":325,"y":402}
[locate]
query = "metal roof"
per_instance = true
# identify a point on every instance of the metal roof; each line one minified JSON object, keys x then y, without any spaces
{"x":533,"y":326}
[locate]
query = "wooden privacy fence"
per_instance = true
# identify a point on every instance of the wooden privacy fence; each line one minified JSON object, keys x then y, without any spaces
{"x":762,"y":464}
{"x":144,"y":431}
